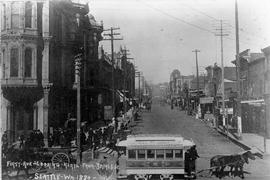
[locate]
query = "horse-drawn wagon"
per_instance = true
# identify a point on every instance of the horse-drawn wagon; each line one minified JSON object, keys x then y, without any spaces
{"x":229,"y":165}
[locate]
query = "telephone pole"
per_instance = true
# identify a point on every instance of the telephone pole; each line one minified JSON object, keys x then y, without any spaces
{"x":138,"y":73}
{"x":197,"y":69}
{"x":238,"y":65}
{"x":197,"y":72}
{"x":221,"y":34}
{"x":125,"y":75}
{"x":112,"y":39}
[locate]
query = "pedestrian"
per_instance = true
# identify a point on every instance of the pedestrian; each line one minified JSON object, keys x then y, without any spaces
{"x":90,"y":137}
{"x":187,"y":162}
{"x":193,"y":156}
{"x":83,"y":138}
{"x":115,"y":125}
{"x":40,"y":139}
{"x":62,"y":139}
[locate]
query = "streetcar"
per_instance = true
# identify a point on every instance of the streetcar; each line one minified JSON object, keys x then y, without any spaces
{"x":153,"y":156}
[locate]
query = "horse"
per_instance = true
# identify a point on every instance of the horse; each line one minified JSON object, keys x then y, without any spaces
{"x":218,"y":163}
{"x":239,"y":165}
{"x":235,"y":161}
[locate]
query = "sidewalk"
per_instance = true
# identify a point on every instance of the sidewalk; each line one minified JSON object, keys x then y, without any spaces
{"x":255,"y":140}
{"x":247,"y":141}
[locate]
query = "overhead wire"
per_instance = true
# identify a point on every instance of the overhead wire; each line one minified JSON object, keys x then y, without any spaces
{"x":241,"y":29}
{"x":194,"y":25}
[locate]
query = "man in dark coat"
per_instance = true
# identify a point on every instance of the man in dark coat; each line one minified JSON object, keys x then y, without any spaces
{"x":187,"y":162}
{"x":193,"y":156}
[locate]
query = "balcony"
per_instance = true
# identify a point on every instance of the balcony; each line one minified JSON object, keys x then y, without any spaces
{"x":19,"y":82}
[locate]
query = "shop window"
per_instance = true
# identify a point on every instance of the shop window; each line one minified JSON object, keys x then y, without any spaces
{"x":28,"y":14}
{"x":132,"y":154}
{"x":150,"y":154}
{"x":28,"y":62}
{"x":15,"y":16}
{"x":14,"y":62}
{"x":169,"y":154}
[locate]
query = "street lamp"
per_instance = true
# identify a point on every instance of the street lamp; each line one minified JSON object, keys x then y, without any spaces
{"x":78,"y":62}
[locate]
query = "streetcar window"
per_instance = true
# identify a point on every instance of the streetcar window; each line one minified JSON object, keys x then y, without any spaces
{"x":178,"y":153}
{"x":141,"y":154}
{"x":169,"y":153}
{"x":160,"y":154}
{"x":132,"y":154}
{"x":150,"y":154}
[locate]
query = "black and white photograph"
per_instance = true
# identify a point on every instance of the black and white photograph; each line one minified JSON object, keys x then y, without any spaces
{"x":135,"y":89}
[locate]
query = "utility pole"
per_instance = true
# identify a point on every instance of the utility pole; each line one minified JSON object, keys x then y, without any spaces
{"x":140,"y":98}
{"x":112,"y":39}
{"x":238,"y":66}
{"x":125,"y":75}
{"x":221,"y":34}
{"x":139,"y":82}
{"x":197,"y":72}
{"x":143,"y":85}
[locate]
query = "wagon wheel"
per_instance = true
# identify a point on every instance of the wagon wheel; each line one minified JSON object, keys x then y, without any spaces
{"x":61,"y":159}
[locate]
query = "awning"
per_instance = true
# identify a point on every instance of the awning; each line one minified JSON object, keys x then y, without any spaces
{"x":227,"y":80}
{"x":121,"y":96}
{"x":253,"y":101}
{"x":257,"y":102}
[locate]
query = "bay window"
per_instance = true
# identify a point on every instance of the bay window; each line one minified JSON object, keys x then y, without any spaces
{"x":28,"y":14}
{"x":28,"y":62}
{"x":4,"y":17}
{"x":15,"y":16}
{"x":14,"y":62}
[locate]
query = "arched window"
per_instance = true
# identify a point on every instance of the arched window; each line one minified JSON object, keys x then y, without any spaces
{"x":14,"y":62}
{"x":15,"y":16}
{"x":28,"y":14}
{"x":3,"y":62}
{"x":28,"y":62}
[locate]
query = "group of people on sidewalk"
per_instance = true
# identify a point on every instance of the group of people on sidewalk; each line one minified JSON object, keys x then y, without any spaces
{"x":105,"y":135}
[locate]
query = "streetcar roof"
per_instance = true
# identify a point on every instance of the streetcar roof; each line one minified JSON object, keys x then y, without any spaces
{"x":155,"y":141}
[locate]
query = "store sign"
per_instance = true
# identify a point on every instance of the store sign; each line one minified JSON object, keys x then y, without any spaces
{"x":206,"y":100}
{"x":227,"y":111}
{"x":108,"y":114}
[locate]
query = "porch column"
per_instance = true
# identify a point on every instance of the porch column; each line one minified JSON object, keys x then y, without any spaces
{"x":9,"y":121}
{"x":45,"y":68}
{"x":35,"y":116}
{"x":46,"y":90}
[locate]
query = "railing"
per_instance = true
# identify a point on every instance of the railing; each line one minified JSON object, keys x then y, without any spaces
{"x":11,"y":82}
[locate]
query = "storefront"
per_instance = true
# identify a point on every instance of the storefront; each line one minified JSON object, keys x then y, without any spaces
{"x":253,"y":116}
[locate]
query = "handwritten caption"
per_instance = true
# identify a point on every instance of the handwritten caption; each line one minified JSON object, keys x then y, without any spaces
{"x":62,"y":176}
{"x":96,"y":166}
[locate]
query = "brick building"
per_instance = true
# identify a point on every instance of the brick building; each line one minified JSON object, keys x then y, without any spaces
{"x":39,"y":40}
{"x":252,"y":76}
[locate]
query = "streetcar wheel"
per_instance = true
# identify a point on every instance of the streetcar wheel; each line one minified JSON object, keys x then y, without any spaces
{"x":61,"y":159}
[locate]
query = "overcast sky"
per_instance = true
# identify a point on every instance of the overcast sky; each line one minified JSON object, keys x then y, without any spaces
{"x":161,"y":34}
